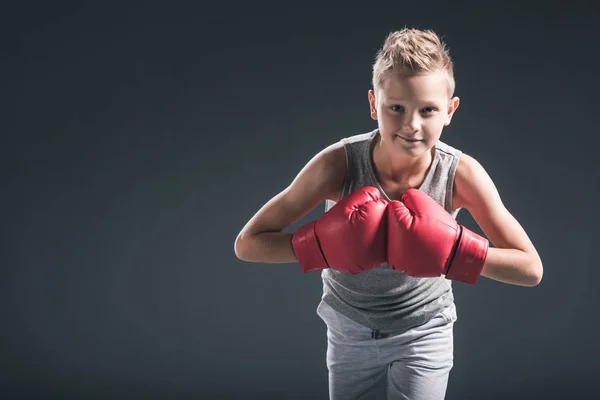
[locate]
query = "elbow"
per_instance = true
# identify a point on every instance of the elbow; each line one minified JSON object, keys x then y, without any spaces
{"x":536,"y":274}
{"x":239,"y":248}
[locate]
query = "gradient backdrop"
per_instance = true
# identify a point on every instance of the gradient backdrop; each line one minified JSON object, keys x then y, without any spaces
{"x":138,"y":139}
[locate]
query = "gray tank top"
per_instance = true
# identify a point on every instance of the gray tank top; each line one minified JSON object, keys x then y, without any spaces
{"x":384,"y":299}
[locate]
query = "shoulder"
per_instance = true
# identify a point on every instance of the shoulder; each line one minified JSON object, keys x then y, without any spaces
{"x":445,"y":148}
{"x":363,"y":137}
{"x":330,"y":165}
{"x":336,"y":157}
{"x":472,"y":184}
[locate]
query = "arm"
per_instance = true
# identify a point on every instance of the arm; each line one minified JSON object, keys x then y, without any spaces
{"x":262,"y":239}
{"x":514,"y":260}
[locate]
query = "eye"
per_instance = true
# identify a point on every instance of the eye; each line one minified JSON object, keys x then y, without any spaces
{"x":429,"y":110}
{"x":397,"y":108}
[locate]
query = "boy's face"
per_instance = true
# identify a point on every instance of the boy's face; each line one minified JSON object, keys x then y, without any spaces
{"x":412,"y":111}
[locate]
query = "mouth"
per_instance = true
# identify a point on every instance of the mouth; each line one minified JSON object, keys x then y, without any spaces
{"x":409,"y":140}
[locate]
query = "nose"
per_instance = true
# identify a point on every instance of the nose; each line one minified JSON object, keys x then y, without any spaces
{"x":411,"y":123}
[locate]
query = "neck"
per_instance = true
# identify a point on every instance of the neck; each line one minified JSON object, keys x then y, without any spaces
{"x":398,"y":167}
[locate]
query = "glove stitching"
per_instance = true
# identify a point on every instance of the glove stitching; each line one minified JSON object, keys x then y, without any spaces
{"x":319,"y":244}
{"x":454,"y":251}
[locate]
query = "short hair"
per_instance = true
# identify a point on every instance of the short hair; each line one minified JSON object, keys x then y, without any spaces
{"x":413,"y":52}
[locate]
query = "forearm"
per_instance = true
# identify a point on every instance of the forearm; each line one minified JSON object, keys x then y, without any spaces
{"x":512,"y":266}
{"x":266,"y":247}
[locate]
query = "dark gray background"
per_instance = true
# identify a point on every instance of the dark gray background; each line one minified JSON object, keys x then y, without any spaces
{"x":138,"y":139}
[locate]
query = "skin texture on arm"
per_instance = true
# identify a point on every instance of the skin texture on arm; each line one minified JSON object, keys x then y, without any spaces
{"x":514,"y":259}
{"x":262,"y":238}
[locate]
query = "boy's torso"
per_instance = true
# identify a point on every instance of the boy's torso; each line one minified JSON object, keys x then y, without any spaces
{"x":382,"y":298}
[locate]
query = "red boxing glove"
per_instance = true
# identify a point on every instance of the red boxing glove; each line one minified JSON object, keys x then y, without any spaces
{"x":424,"y":240}
{"x":350,"y":237}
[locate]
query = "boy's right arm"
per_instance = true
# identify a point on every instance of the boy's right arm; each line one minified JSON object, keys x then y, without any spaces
{"x":262,"y":239}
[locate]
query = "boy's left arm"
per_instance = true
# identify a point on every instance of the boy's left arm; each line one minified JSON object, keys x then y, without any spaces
{"x":513,"y":259}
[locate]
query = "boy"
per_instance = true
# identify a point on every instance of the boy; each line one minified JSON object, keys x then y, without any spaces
{"x":388,"y":245}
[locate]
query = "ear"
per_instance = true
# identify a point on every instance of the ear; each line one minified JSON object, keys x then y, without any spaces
{"x":372,"y":104}
{"x":452,"y":106}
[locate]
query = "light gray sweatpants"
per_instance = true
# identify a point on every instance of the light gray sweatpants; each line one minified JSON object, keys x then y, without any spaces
{"x":367,"y":364}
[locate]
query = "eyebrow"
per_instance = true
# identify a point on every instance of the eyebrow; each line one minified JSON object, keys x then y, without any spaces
{"x":424,"y":102}
{"x":403,"y":100}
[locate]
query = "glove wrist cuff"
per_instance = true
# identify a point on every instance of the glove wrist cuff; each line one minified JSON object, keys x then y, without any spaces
{"x":307,"y":248}
{"x":469,"y":258}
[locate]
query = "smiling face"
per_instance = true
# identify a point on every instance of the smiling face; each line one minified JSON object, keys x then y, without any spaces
{"x":412,"y":110}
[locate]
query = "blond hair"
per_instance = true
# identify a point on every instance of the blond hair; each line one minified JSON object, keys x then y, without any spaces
{"x":413,"y":52}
